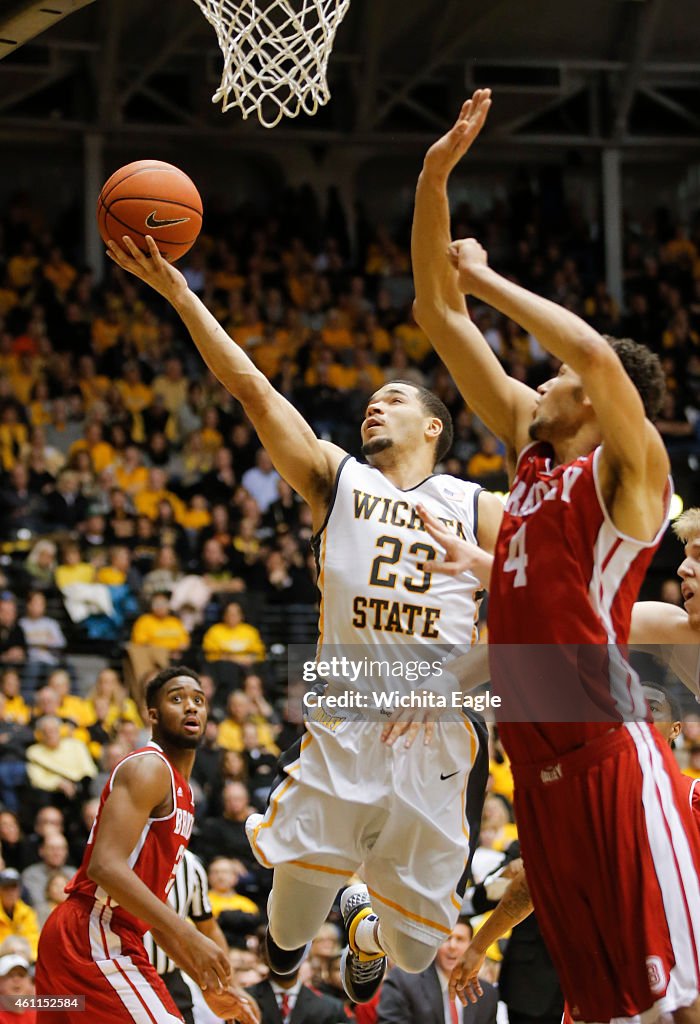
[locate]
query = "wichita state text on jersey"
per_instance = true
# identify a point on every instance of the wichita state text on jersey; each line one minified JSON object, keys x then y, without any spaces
{"x":370,"y":553}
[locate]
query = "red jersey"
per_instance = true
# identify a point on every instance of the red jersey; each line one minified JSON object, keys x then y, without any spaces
{"x":693,"y":789}
{"x":156,"y":855}
{"x":564,"y":578}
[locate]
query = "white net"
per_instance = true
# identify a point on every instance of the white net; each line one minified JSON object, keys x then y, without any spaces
{"x":275,"y":54}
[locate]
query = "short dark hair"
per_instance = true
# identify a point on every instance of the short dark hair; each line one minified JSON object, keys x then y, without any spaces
{"x":163,"y":677}
{"x":644,"y":369}
{"x":466,"y":921}
{"x":437,"y":408}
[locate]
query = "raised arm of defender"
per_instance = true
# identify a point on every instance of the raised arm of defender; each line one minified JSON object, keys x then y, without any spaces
{"x":505,"y":405}
{"x":306,"y":463}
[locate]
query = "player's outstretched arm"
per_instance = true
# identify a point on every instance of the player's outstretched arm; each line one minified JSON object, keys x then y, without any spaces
{"x":633,"y":451}
{"x":515,"y":905}
{"x":504,"y":404}
{"x":141,"y":786}
{"x":305,"y":462}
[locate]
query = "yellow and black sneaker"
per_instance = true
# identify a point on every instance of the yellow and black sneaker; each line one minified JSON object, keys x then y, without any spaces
{"x":362,"y":973}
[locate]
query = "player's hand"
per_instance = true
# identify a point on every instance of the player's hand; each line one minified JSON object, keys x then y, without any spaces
{"x":464,"y":980}
{"x":460,"y":555}
{"x":151,"y":268}
{"x":446,"y":153}
{"x":408,"y":722}
{"x":470,"y":259}
{"x":233,"y":1004}
{"x":202,"y":959}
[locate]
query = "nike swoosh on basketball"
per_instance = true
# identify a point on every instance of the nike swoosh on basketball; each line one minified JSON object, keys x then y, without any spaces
{"x":443,"y":777}
{"x":153,"y":222}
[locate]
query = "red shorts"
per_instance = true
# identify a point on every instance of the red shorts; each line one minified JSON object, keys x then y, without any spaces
{"x":613,"y":858}
{"x":83,"y":952}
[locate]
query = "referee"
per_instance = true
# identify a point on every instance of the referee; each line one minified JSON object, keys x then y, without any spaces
{"x":189,"y":897}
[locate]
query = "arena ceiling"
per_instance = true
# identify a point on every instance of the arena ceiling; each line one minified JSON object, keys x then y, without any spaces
{"x":621,"y":73}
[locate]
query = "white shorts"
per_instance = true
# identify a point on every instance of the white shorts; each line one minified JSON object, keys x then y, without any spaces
{"x":345,"y":803}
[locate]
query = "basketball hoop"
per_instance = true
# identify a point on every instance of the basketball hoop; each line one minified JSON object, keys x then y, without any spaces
{"x":275,"y":54}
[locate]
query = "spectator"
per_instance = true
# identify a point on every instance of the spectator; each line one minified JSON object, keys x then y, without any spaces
{"x":41,"y":564}
{"x":233,"y":639}
{"x":43,"y":635}
{"x":160,"y":628}
{"x":262,"y":481}
{"x":54,"y":894}
{"x":72,"y":568}
{"x":66,"y":506}
{"x":16,"y":917}
{"x":237,"y":915}
{"x":58,"y":765}
{"x":15,"y":737}
{"x":286,"y":998}
{"x":121,"y":707}
{"x":13,"y":643}
{"x":227,"y":832}
{"x":53,"y":854}
{"x":424,"y":999}
{"x":16,"y":984}
{"x":164,"y":574}
{"x":15,"y":709}
{"x":239,"y":711}
{"x":47,"y":819}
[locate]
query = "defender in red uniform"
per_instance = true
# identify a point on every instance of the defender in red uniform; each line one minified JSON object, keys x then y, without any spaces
{"x":91,"y":945}
{"x":616,"y":885}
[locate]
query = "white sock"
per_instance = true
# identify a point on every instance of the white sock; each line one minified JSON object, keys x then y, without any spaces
{"x":365,"y":935}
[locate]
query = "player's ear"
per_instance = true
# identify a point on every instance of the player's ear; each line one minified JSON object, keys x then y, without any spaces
{"x":152,"y":715}
{"x":434,"y":428}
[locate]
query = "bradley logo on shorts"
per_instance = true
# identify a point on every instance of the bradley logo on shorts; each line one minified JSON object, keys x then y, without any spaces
{"x":656,"y":973}
{"x":552,"y":774}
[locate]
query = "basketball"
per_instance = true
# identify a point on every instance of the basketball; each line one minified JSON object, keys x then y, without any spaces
{"x":150,"y":197}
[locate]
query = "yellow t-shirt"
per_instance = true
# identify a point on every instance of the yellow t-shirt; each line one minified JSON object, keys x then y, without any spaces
{"x":168,"y":632}
{"x":231,"y":901}
{"x":83,"y":572}
{"x":242,"y":639}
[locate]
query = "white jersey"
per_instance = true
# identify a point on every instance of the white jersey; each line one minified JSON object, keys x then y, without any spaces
{"x":370,"y":551}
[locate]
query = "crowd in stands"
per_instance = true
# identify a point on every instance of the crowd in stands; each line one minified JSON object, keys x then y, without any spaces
{"x":141,"y":519}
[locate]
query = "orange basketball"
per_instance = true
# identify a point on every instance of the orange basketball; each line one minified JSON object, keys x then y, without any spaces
{"x":150,"y":197}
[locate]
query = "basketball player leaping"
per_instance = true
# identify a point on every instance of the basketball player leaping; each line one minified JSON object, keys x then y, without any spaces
{"x":588,"y":505}
{"x":343,"y":799}
{"x":92,"y":945}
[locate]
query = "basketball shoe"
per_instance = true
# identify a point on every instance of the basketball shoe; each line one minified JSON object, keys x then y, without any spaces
{"x":362,"y":973}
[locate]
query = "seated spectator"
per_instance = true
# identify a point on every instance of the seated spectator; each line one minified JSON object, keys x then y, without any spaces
{"x":21,"y":508}
{"x":497,"y":828}
{"x":16,"y":916}
{"x":261,"y":765}
{"x":118,"y":571}
{"x":15,"y":737}
{"x":261,"y":481}
{"x":16,"y":851}
{"x":160,"y":628}
{"x":72,"y":567}
{"x":227,"y":831}
{"x":13,"y":643}
{"x":54,"y":894}
{"x":41,"y":564}
{"x":239,"y":711}
{"x":233,"y":639}
{"x":15,"y":709}
{"x":16,"y":982}
{"x":130,"y":473}
{"x":53,"y":854}
{"x":487,"y":460}
{"x":237,"y":915}
{"x":71,"y":708}
{"x":164,"y":574}
{"x":59,"y":765}
{"x":46,"y":820}
{"x":44,"y":636}
{"x":216,"y":570}
{"x":108,"y":685}
{"x":100,"y":451}
{"x":280,"y":998}
{"x":261,"y":709}
{"x":147,"y":500}
{"x":220,"y":482}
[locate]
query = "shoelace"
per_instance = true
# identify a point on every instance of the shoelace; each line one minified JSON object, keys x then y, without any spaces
{"x":366,"y":970}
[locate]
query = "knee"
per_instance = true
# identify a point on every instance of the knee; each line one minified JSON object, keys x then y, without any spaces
{"x":410,"y":954}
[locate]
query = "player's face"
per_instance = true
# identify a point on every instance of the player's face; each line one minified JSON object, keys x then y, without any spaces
{"x":560,"y":407}
{"x":689,"y":572}
{"x":395,"y":419}
{"x":181,"y":713}
{"x":661,"y":713}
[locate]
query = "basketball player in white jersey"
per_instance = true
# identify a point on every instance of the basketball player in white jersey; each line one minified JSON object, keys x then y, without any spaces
{"x":344,"y":800}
